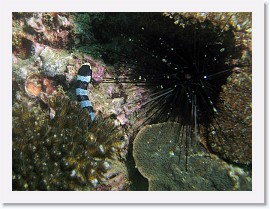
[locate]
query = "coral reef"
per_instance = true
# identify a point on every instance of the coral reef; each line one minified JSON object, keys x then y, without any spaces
{"x":51,"y":132}
{"x":54,"y":62}
{"x":159,"y":156}
{"x":34,"y":30}
{"x":222,"y":128}
{"x":33,"y":85}
{"x":43,"y":114}
{"x":230,"y":136}
{"x":68,"y":152}
{"x":84,"y":32}
{"x":36,"y":85}
{"x":233,"y":139}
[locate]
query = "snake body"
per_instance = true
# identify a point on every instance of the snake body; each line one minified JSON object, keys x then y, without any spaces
{"x":84,"y":77}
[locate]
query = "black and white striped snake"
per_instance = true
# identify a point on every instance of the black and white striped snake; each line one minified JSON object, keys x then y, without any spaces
{"x":84,"y":77}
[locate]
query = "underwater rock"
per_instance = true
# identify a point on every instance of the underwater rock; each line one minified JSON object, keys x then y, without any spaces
{"x":63,"y":21}
{"x":233,"y":139}
{"x":36,"y":23}
{"x":52,"y":29}
{"x":159,"y":153}
{"x":49,"y":87}
{"x":55,"y":61}
{"x":230,"y":136}
{"x":45,"y":46}
{"x":24,"y":68}
{"x":38,"y":48}
{"x":37,"y":86}
{"x":116,"y":178}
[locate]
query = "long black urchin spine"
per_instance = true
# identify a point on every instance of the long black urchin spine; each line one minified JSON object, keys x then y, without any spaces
{"x":182,"y":67}
{"x":84,"y":77}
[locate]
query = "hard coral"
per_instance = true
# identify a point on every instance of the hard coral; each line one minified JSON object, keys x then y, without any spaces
{"x":159,"y":156}
{"x":68,"y":152}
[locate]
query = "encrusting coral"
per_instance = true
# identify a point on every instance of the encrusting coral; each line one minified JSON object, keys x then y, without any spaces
{"x":160,"y":157}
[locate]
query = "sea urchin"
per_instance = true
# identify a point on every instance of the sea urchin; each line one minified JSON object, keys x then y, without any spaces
{"x":182,"y":62}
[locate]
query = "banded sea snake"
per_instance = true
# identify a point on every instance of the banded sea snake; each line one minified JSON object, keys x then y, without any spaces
{"x":84,"y":77}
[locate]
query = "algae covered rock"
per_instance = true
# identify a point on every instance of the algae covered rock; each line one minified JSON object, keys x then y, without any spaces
{"x":232,"y":140}
{"x":55,"y":61}
{"x":159,"y":153}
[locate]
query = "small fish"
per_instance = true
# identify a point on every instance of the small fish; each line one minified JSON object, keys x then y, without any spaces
{"x":84,"y":77}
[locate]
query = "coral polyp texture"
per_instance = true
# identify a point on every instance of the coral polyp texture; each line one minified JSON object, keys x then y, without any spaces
{"x":158,"y":154}
{"x":190,"y":71}
{"x":68,"y":152}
